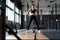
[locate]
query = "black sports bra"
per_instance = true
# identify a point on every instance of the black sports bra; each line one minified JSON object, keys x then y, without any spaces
{"x":33,"y":11}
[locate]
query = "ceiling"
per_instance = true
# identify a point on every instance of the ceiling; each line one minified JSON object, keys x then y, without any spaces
{"x":43,"y":4}
{"x":40,"y":1}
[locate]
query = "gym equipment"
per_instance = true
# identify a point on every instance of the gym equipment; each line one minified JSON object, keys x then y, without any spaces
{"x":32,"y":36}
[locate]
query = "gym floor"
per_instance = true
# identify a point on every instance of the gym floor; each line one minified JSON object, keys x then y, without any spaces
{"x":46,"y":34}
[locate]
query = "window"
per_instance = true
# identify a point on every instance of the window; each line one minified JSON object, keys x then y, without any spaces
{"x":13,"y":14}
{"x":17,"y":15}
{"x":16,"y":10}
{"x":8,"y":3}
{"x":16,"y":18}
{"x":10,"y":14}
{"x":12,"y":5}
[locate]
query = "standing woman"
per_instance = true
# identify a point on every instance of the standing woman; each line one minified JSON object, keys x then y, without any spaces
{"x":33,"y":11}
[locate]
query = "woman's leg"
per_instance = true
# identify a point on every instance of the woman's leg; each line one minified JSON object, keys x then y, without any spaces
{"x":29,"y":23}
{"x":36,"y":22}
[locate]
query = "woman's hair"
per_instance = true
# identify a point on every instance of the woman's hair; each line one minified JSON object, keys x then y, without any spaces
{"x":33,"y":5}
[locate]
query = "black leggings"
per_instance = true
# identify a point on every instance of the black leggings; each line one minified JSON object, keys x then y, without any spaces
{"x":33,"y":18}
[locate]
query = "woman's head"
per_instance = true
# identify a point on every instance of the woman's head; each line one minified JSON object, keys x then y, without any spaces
{"x":33,"y":6}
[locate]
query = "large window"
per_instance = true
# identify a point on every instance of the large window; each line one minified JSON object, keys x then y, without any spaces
{"x":10,"y":10}
{"x":13,"y":15}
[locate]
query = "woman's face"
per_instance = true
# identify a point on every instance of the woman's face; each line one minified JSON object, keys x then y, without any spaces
{"x":33,"y":7}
